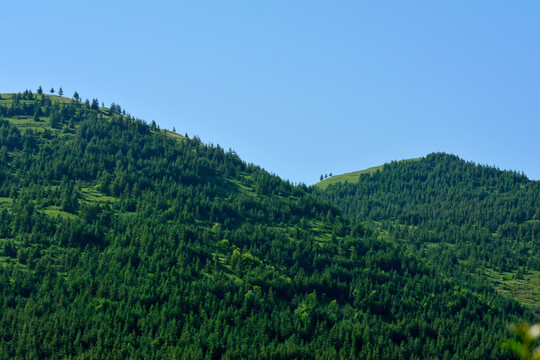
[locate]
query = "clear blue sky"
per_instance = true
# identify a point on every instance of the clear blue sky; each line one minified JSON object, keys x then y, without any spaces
{"x":301,"y":88}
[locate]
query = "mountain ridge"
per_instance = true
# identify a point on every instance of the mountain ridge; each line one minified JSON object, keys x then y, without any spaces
{"x":353,"y":175}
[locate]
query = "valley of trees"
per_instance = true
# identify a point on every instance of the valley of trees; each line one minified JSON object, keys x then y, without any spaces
{"x":120,"y":240}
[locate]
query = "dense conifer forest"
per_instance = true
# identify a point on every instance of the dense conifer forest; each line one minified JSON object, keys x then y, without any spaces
{"x":122,"y":240}
{"x":476,"y":218}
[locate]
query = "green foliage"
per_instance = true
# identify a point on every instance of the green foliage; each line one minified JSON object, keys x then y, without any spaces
{"x":121,"y":241}
{"x":524,"y":342}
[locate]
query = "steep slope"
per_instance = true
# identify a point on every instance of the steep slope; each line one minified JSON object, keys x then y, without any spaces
{"x":484,"y":219}
{"x":119,"y":240}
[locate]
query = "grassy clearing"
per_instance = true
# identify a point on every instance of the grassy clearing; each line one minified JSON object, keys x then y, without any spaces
{"x":173,"y":134}
{"x":525,"y":288}
{"x":5,"y":201}
{"x":322,"y":232}
{"x":351,"y":177}
{"x":24,"y":123}
{"x":241,"y":187}
{"x":53,"y":211}
{"x":6,"y":98}
{"x":93,"y":195}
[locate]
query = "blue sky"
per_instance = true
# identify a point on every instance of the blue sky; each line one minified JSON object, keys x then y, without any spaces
{"x":301,"y":88}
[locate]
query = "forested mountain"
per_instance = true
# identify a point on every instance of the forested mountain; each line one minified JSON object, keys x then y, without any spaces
{"x":120,"y":240}
{"x":484,"y":219}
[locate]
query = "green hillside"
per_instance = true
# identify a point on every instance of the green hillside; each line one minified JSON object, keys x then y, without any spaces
{"x":120,"y":240}
{"x":481,"y":219}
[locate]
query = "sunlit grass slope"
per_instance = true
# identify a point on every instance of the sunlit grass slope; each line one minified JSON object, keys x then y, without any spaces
{"x":352,"y":177}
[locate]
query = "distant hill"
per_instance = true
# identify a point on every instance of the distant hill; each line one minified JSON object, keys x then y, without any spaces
{"x":119,"y":239}
{"x":480,"y":217}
